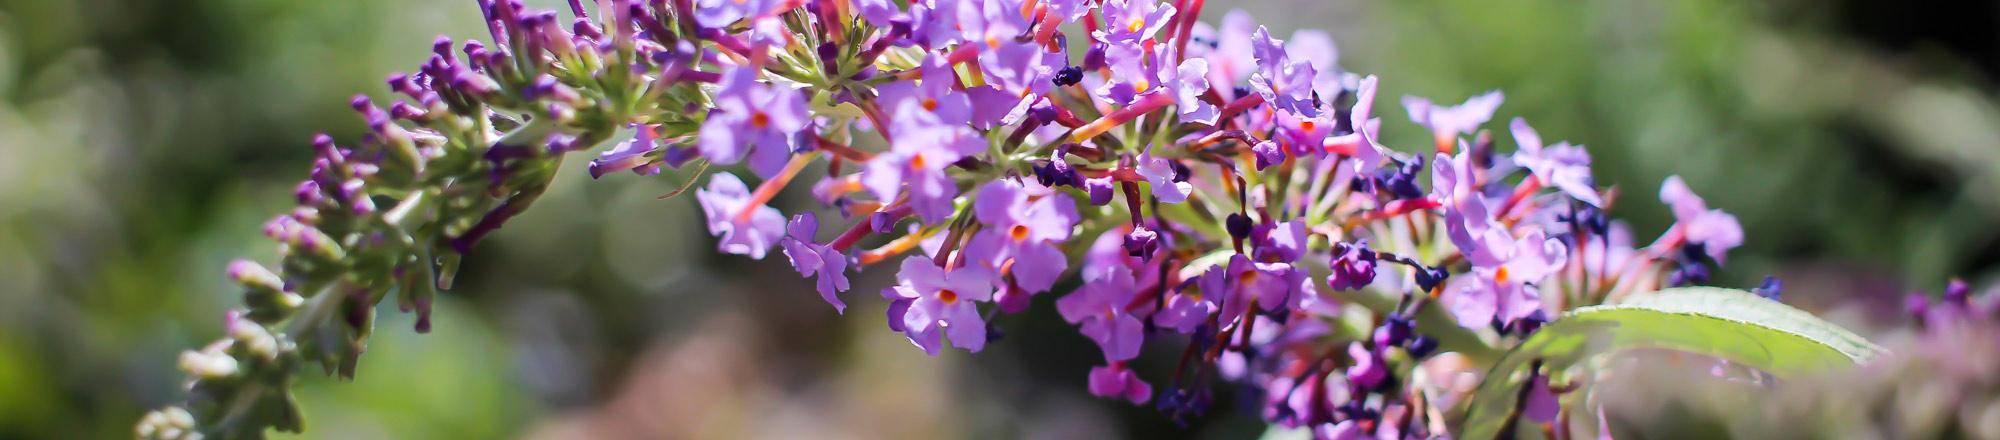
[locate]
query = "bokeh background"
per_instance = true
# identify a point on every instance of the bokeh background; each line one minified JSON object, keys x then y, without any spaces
{"x":143,"y":141}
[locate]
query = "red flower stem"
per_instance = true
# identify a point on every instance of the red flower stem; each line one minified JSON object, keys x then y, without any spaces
{"x":840,"y":150}
{"x":1240,"y":105}
{"x":1153,"y":102}
{"x":1192,"y":11}
{"x":768,"y":189}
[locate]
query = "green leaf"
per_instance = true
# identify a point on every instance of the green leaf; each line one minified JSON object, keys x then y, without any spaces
{"x":1728,"y":324}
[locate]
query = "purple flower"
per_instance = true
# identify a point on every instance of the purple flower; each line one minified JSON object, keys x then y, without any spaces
{"x":1270,"y":285}
{"x":1115,"y":381}
{"x":1267,"y":153}
{"x":1353,"y":266}
{"x":1504,"y":289}
{"x":1446,"y":123}
{"x":1368,"y":148}
{"x":812,"y":259}
{"x":1134,"y":71}
{"x":1132,"y":21}
{"x":942,"y":304}
{"x":1139,"y":71}
{"x":1368,"y":370}
{"x":1184,"y":311}
{"x":934,"y":94}
{"x":924,"y":147}
{"x":1168,"y":185}
{"x":1286,"y":85}
{"x":1565,"y":166}
{"x":1022,"y":232}
{"x":1020,"y":72}
{"x":629,"y":155}
{"x":1227,"y":51}
{"x":1307,"y":134}
{"x":1716,"y":231}
{"x":722,"y":201}
{"x":1317,"y":49}
{"x":989,"y":22}
{"x":881,"y":13}
{"x":1099,"y":309}
{"x":1190,"y":82}
{"x":755,"y":116}
{"x":1231,"y":59}
{"x":1282,"y":243}
{"x":1467,"y":221}
{"x":722,"y":13}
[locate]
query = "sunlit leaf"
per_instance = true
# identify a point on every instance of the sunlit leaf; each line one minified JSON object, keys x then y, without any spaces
{"x":1727,"y":324}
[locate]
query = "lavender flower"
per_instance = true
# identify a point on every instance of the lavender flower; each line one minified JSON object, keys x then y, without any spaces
{"x":1446,"y":123}
{"x":754,"y":116}
{"x":1565,"y":166}
{"x":724,"y":202}
{"x":1715,"y":231}
{"x":812,"y":259}
{"x":1021,"y":234}
{"x":942,"y":305}
{"x":1132,"y":21}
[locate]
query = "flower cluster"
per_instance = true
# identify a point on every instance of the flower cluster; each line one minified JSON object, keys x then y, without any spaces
{"x":1213,"y":191}
{"x":1169,"y":183}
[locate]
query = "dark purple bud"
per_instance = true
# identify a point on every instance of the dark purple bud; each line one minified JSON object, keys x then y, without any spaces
{"x":1429,"y":278}
{"x":829,"y":53}
{"x":1094,"y":59}
{"x":1421,"y":346}
{"x":1958,"y":293}
{"x":1528,"y":325}
{"x":1012,"y":300}
{"x":1239,"y":226}
{"x":1068,"y":76}
{"x":587,"y":29}
{"x":1043,"y":173}
{"x":1771,"y":288}
{"x":1394,"y":331}
{"x":405,"y":111}
{"x":1267,"y":154}
{"x":442,"y":47}
{"x":1045,"y":113}
{"x":576,"y":7}
{"x":1181,"y":171}
{"x":323,"y":144}
{"x":1142,"y":242}
{"x":308,"y":193}
{"x":1918,"y":306}
{"x":1099,"y":189}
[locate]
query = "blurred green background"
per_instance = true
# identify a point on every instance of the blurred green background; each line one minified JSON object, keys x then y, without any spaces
{"x":142,"y":142}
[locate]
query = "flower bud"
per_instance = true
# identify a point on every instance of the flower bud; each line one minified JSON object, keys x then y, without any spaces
{"x":206,"y":365}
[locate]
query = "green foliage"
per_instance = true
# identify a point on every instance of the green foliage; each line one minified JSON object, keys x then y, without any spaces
{"x":1728,"y":324}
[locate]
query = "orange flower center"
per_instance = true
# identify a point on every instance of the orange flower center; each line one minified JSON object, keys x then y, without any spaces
{"x":948,"y":296}
{"x":1307,"y":126}
{"x":760,"y":119}
{"x":1019,"y":232}
{"x":1247,"y":277}
{"x":917,"y":162}
{"x":1500,"y":275}
{"x":1142,"y":86}
{"x":1136,"y":24}
{"x":930,"y":104}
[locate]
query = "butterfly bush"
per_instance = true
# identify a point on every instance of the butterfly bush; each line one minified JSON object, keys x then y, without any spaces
{"x":1214,"y":194}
